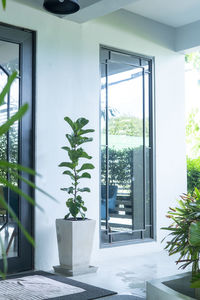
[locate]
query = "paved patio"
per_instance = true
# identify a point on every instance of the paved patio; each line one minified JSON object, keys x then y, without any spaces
{"x":128,"y":276}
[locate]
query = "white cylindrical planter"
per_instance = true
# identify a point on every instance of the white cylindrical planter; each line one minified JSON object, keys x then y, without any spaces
{"x":75,"y":241}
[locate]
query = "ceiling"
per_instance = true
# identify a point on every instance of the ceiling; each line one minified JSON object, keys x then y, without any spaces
{"x":85,"y":3}
{"x":90,"y":9}
{"x":174,"y":13}
{"x":170,"y":12}
{"x":39,"y":3}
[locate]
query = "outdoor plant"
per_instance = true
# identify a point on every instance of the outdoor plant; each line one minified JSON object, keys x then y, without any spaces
{"x":193,"y":173}
{"x":185,"y":234}
{"x":75,"y":168}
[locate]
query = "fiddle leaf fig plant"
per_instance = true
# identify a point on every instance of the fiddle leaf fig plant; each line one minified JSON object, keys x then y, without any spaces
{"x":76,"y":169}
{"x":185,"y":234}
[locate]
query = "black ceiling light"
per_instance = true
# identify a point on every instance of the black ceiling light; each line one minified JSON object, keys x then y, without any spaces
{"x":61,"y":7}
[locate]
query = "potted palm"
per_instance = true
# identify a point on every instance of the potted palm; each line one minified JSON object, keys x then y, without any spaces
{"x":75,"y":232}
{"x":183,"y":239}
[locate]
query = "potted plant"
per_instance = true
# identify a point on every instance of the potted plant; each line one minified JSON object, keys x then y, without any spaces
{"x":183,"y":239}
{"x":74,"y":231}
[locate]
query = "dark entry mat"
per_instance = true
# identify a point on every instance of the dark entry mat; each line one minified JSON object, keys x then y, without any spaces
{"x":90,"y":292}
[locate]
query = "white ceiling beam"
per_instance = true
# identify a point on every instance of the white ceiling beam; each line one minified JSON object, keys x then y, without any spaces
{"x":188,"y":37}
{"x":98,"y":9}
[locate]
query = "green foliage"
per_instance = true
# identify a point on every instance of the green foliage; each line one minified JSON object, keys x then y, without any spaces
{"x":75,"y":169}
{"x":3,"y":4}
{"x":130,"y":126}
{"x":194,"y":234}
{"x":185,"y":233}
{"x":193,"y":174}
{"x":13,"y":139}
{"x":120,"y":166}
{"x":193,"y":59}
{"x":192,"y":132}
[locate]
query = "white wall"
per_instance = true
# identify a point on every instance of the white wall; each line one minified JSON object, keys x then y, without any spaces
{"x":67,"y":83}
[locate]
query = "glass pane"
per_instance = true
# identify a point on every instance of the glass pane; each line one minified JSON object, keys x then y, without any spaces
{"x":125,"y":150}
{"x":125,"y":140}
{"x":9,"y":146}
{"x":147,"y":152}
{"x":103,"y":104}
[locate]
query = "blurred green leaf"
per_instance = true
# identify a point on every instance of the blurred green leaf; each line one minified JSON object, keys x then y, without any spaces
{"x":21,"y":227}
{"x":6,"y":89}
{"x":4,"y":4}
{"x":17,"y":116}
{"x":194,"y":234}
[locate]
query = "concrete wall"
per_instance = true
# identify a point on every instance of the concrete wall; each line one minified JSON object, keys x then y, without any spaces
{"x":68,"y":83}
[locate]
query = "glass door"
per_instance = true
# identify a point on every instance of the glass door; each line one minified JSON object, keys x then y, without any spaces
{"x":17,"y":145}
{"x":126,"y":148}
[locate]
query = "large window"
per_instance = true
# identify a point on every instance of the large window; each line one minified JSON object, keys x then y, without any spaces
{"x":126,"y":147}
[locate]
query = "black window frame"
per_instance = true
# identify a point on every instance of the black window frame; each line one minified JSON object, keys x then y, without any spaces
{"x":152,"y":139}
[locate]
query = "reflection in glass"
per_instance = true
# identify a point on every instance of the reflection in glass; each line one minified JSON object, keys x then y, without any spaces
{"x":125,"y":172}
{"x":9,"y":146}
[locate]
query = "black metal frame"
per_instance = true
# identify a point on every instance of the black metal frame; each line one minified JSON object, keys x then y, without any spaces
{"x":26,"y":41}
{"x":151,"y":151}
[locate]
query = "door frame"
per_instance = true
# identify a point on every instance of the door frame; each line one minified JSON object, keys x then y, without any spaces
{"x":26,"y":40}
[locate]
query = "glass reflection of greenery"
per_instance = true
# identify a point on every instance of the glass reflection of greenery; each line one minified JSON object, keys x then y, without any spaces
{"x":120,"y":162}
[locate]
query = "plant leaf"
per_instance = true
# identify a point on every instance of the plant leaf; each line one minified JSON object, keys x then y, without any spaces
{"x":84,"y":140}
{"x":69,"y":190}
{"x":194,"y":234}
{"x":86,"y":167}
{"x":195,"y":284}
{"x":12,"y":213}
{"x":67,"y":216}
{"x":17,"y":116}
{"x":11,"y":78}
{"x":82,"y":131}
{"x":68,"y":165}
{"x":84,"y":190}
{"x":81,"y":122}
{"x":66,"y":148}
{"x":70,"y":122}
{"x":74,"y":155}
{"x":4,"y":4}
{"x":18,"y":167}
{"x":19,"y":192}
{"x":32,"y":184}
{"x":67,"y":172}
{"x":85,"y":175}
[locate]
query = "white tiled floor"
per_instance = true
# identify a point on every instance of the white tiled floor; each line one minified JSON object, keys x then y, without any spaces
{"x":128,"y":276}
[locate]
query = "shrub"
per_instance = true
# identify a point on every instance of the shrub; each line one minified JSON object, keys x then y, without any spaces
{"x":185,"y":234}
{"x":193,"y":174}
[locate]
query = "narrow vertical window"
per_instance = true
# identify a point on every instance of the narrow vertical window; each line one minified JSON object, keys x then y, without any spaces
{"x":126,"y":147}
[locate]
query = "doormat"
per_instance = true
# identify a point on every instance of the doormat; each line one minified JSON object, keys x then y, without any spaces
{"x":42,"y":286}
